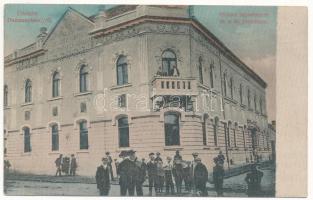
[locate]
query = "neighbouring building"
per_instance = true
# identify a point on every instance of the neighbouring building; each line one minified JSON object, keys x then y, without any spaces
{"x":149,"y":78}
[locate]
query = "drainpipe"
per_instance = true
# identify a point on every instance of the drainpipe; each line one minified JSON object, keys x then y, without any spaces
{"x":225,"y":130}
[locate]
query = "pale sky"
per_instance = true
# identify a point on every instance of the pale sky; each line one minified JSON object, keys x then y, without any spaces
{"x":250,"y":32}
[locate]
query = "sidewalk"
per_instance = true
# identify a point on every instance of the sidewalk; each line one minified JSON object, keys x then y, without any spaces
{"x":234,"y":180}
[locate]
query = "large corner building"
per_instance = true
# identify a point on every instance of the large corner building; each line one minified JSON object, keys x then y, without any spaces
{"x":149,"y":78}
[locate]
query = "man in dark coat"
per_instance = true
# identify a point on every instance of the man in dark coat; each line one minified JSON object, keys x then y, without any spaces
{"x":177,"y":156}
{"x":253,"y":179}
{"x":168,"y":167}
{"x":58,"y":163}
{"x":73,"y":165}
{"x":187,"y":177}
{"x":221,"y":158}
{"x":178,"y":174}
{"x":158,"y":158}
{"x":103,"y":177}
{"x":139,"y":175}
{"x":110,"y":164}
{"x":152,"y":171}
{"x":218,"y":176}
{"x":201,"y":177}
{"x":126,"y":170}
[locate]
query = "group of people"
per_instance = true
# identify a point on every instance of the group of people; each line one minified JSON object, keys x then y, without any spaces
{"x":66,"y":165}
{"x":132,"y":173}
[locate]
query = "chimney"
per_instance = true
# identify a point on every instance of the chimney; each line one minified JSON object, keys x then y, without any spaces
{"x":100,"y":18}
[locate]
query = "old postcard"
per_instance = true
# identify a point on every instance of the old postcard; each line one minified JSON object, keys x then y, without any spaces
{"x":140,"y":100}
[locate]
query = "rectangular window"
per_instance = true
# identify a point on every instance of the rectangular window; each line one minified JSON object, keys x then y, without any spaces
{"x":83,"y":107}
{"x":171,"y":126}
{"x":27,"y":146}
{"x":123,"y":132}
{"x":122,"y":101}
{"x":55,"y":111}
{"x":83,"y":132}
{"x":27,"y":115}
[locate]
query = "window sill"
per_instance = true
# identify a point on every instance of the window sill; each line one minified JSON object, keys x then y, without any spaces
{"x":55,"y":98}
{"x":231,"y":100}
{"x":54,"y":152}
{"x":26,"y":154}
{"x":83,"y":151}
{"x":206,"y":148}
{"x":7,"y":107}
{"x":172,"y":148}
{"x":82,"y":93}
{"x":121,"y":86}
{"x":27,"y":104}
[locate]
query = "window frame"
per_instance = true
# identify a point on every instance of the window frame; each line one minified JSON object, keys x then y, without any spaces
{"x":5,"y":95}
{"x":200,"y":68}
{"x":56,"y":84}
{"x":170,"y":139}
{"x":28,"y":91}
{"x":27,"y":140}
{"x":83,"y":78}
{"x":55,"y":137}
{"x":123,"y":132}
{"x":122,"y":66}
{"x":83,"y":134}
{"x":170,"y":62}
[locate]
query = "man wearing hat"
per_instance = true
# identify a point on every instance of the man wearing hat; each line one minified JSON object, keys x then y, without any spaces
{"x":253,"y":179}
{"x":103,"y":178}
{"x":168,"y":167}
{"x":200,"y":177}
{"x":218,"y":176}
{"x":73,"y":165}
{"x":152,"y":171}
{"x":177,"y":156}
{"x":126,"y":170}
{"x":110,"y":164}
{"x":158,"y":158}
{"x":178,"y":174}
{"x":138,"y":175}
{"x":193,"y":165}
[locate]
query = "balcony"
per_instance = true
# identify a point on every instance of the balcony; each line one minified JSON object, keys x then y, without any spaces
{"x":174,"y":86}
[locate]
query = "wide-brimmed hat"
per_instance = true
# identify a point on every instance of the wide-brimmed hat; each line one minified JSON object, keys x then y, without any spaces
{"x":150,"y":154}
{"x":195,"y":154}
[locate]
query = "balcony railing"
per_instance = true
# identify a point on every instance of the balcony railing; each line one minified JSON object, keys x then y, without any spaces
{"x":174,"y":86}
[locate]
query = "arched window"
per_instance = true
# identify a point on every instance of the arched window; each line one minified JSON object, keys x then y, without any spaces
{"x":83,"y":135}
{"x":215,"y":129}
{"x":6,"y":95}
{"x":55,"y":137}
{"x":240,"y":93}
{"x":83,"y":79}
{"x":225,"y":83}
{"x":27,"y":145}
{"x":171,"y":125}
{"x":56,"y":84}
{"x":231,"y":85}
{"x":123,"y":132}
{"x":169,"y":64}
{"x":200,"y":70}
{"x":249,"y":99}
{"x":212,"y":75}
{"x":28,"y":91}
{"x":121,"y":70}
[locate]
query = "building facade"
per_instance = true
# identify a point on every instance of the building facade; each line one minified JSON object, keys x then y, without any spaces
{"x":149,"y":78}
